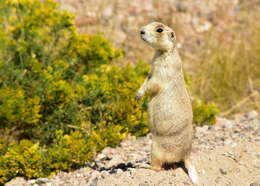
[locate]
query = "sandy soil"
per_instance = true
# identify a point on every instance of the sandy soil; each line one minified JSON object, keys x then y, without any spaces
{"x":227,"y":154}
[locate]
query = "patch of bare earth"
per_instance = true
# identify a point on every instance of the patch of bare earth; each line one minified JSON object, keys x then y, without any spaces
{"x":227,"y":154}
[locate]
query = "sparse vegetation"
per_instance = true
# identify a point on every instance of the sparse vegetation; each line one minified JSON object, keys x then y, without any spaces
{"x":227,"y":74}
{"x":204,"y":113}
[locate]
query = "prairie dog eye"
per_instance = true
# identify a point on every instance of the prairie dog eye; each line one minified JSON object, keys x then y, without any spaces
{"x":159,"y":30}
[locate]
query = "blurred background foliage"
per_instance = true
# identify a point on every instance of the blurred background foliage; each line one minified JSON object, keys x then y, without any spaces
{"x":64,"y":96}
{"x":229,"y":73}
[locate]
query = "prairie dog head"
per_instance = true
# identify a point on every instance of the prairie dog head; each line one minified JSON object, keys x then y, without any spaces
{"x":159,"y":36}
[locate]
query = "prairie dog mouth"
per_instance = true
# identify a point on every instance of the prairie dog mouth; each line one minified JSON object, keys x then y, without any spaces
{"x":143,"y":38}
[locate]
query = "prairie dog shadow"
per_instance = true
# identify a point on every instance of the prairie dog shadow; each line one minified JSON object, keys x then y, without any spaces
{"x":169,"y":166}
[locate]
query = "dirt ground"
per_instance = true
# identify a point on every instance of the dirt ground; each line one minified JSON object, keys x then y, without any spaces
{"x":221,"y":166}
{"x":226,"y":154}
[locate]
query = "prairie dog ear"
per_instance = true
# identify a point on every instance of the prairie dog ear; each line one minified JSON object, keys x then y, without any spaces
{"x":172,"y":35}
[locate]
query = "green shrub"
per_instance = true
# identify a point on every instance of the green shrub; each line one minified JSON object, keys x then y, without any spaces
{"x":111,"y":91}
{"x":28,"y":159}
{"x":61,"y":98}
{"x":204,"y":113}
{"x":67,"y":152}
{"x":42,"y":60}
{"x":17,"y":108}
{"x":21,"y":159}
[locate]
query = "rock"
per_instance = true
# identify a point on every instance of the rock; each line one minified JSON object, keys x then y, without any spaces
{"x":217,"y":127}
{"x":95,"y":174}
{"x":224,"y":122}
{"x":119,"y":171}
{"x":256,"y":163}
{"x":108,"y":151}
{"x":229,"y":124}
{"x":222,"y":171}
{"x":217,"y":179}
{"x":93,"y":182}
{"x":254,"y":184}
{"x":33,"y":181}
{"x":116,"y":159}
{"x":41,"y":181}
{"x":143,"y":184}
{"x":108,"y":12}
{"x":101,"y":156}
{"x":202,"y":129}
{"x":18,"y":181}
{"x":132,"y":171}
{"x":233,"y":144}
{"x":252,"y":114}
{"x":228,"y":141}
{"x":104,"y":174}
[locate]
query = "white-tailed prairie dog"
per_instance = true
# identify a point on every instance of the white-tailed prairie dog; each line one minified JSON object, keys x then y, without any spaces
{"x":169,"y":110}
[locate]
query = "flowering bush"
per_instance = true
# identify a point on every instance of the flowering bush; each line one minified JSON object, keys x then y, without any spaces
{"x":204,"y":113}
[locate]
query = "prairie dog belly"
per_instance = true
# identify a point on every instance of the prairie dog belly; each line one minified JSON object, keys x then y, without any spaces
{"x":172,"y":148}
{"x":170,"y":122}
{"x":169,"y":116}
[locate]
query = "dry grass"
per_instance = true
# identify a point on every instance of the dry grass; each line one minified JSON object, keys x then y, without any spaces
{"x":229,"y":74}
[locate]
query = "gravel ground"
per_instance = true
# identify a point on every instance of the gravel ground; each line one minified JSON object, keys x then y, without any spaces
{"x":226,"y":154}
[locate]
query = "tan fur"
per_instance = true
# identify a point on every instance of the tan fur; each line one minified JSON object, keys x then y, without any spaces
{"x":169,"y":110}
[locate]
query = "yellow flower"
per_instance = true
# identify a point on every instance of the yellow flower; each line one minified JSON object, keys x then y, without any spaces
{"x":89,"y":78}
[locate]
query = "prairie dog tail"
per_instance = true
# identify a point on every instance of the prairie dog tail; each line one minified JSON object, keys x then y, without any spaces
{"x":191,"y":171}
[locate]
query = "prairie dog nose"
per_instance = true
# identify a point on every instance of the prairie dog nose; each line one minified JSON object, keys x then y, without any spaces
{"x":142,"y":32}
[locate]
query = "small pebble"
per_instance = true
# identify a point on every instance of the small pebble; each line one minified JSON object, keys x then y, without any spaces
{"x":251,"y":114}
{"x":254,"y":184}
{"x":93,"y":182}
{"x":222,"y":171}
{"x":119,"y":171}
{"x":228,"y":141}
{"x":143,"y":184}
{"x":32,"y":181}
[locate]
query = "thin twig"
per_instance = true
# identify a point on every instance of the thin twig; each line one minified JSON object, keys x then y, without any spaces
{"x":252,"y":90}
{"x":243,"y":101}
